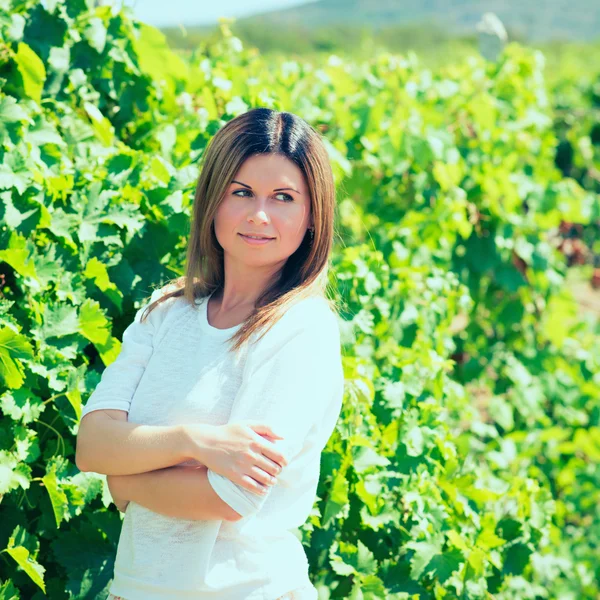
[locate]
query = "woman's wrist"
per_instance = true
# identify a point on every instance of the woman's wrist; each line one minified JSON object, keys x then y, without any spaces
{"x":193,"y":440}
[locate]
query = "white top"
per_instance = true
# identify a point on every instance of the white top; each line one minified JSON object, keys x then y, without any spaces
{"x":176,"y":368}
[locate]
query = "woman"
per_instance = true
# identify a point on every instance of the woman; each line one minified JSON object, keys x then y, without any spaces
{"x":211,"y":421}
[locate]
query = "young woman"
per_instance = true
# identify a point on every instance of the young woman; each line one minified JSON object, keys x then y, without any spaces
{"x":211,"y":421}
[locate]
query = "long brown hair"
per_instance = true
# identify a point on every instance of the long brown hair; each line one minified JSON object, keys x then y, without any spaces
{"x":306,"y":271}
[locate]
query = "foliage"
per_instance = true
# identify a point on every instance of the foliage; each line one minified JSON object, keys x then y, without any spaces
{"x":576,"y":93}
{"x":466,"y":459}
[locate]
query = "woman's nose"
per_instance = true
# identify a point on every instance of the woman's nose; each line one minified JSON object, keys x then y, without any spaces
{"x":258,"y":212}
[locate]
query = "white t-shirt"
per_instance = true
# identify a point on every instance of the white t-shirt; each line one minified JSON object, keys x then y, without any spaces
{"x":176,"y":368}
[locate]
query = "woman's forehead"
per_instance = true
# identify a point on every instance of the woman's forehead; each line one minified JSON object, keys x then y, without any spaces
{"x":271,"y":170}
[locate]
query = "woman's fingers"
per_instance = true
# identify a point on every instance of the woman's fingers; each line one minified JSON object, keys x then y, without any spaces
{"x":261,"y":477}
{"x":269,"y":466}
{"x":262,"y":429}
{"x":268,"y":448}
{"x":253,"y":483}
{"x":263,"y":472}
{"x":271,"y":453}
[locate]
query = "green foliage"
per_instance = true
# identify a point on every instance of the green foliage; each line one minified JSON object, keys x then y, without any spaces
{"x":577,"y":125}
{"x":466,"y":459}
{"x":431,"y":42}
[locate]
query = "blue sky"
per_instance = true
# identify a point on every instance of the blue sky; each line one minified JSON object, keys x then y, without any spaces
{"x":195,"y":12}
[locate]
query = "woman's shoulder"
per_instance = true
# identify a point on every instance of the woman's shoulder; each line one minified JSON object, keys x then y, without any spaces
{"x":164,"y":291}
{"x":166,"y":307}
{"x":312,"y":312}
{"x":311,"y":318}
{"x":307,"y":335}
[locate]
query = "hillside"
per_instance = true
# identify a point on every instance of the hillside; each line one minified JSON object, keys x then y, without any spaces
{"x":535,"y":21}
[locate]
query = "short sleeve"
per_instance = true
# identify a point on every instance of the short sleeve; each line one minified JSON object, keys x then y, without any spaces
{"x":120,"y":379}
{"x":294,"y":383}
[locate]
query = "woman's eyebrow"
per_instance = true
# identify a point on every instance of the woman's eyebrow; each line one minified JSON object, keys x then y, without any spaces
{"x":276,"y":190}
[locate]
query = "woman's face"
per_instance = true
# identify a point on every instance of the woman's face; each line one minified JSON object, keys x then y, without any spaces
{"x":268,"y":196}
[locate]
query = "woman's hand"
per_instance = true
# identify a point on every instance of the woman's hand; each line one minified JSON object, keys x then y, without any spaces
{"x":119,"y":500}
{"x":243,"y":452}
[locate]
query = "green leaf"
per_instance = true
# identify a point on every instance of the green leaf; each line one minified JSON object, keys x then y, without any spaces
{"x":366,"y":458}
{"x":13,"y":473}
{"x":60,"y":320}
{"x":441,"y":566}
{"x":95,"y":33}
{"x":14,"y":178}
{"x":93,"y":325}
{"x":23,"y":558}
{"x":109,"y":351}
{"x":97,"y":271}
{"x":487,"y":538}
{"x":14,"y":348}
{"x":11,"y":112}
{"x":347,"y":559}
{"x":21,"y":405}
{"x":44,"y":132}
{"x":58,"y":499}
{"x":338,"y":498}
{"x":477,"y":560}
{"x":19,"y":255}
{"x":32,"y":71}
{"x":100,"y":123}
{"x":59,"y":59}
{"x":516,"y":559}
{"x":155,"y":57}
{"x":414,"y":441}
{"x":424,"y":552}
{"x":8,"y":591}
{"x":368,"y":588}
{"x":159,"y":170}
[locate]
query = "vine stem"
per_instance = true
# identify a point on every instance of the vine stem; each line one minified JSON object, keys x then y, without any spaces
{"x":60,"y":438}
{"x":54,"y":397}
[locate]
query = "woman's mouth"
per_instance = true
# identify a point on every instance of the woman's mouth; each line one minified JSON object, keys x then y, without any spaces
{"x":255,"y":241}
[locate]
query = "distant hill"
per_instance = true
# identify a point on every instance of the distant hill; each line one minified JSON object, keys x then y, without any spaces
{"x":534,"y":21}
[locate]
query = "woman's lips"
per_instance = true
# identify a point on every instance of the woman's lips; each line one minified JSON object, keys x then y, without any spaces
{"x":254,"y":241}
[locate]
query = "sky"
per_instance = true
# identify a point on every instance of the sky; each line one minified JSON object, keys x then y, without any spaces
{"x":193,"y":12}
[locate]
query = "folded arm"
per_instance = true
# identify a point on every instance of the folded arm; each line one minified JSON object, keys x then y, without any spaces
{"x":109,"y":444}
{"x":180,"y":491}
{"x":174,"y":491}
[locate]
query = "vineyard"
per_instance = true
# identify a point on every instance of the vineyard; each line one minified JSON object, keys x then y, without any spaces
{"x":466,"y":461}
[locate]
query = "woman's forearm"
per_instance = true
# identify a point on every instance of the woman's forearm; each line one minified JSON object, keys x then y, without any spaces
{"x":180,"y":491}
{"x":109,"y":444}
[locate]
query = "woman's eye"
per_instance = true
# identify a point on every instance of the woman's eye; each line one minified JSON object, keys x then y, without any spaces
{"x":287,"y":197}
